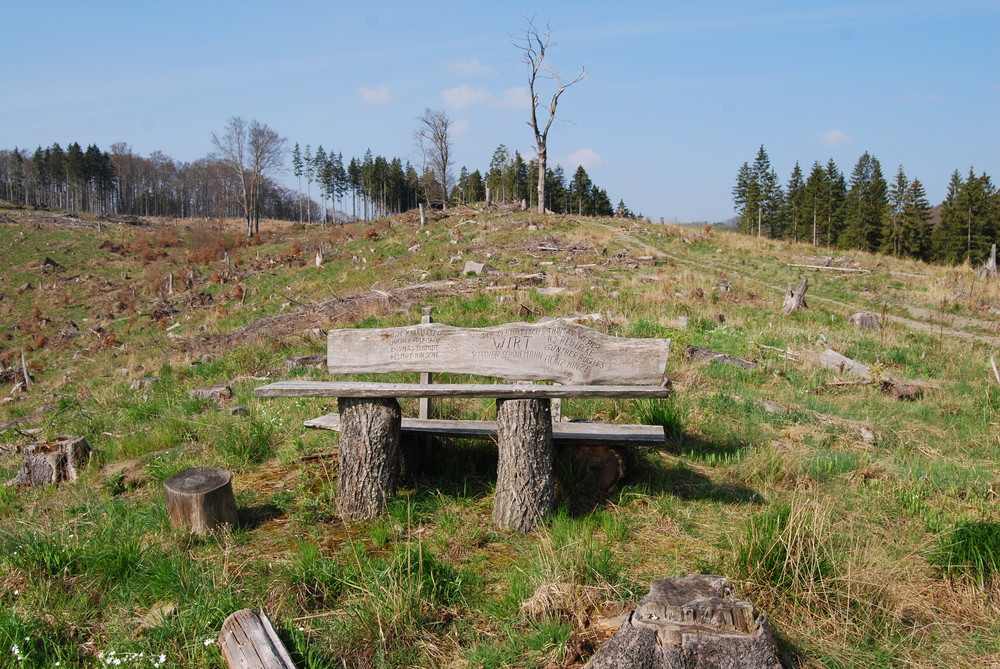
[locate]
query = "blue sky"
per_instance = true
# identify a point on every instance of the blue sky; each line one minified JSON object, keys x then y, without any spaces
{"x":677,"y":95}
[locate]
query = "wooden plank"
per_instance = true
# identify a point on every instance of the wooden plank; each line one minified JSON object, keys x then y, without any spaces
{"x":565,"y":433}
{"x":494,"y":390}
{"x":249,"y":641}
{"x":556,"y":350}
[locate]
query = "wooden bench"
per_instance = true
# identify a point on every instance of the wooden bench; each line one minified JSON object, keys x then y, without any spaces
{"x":582,"y":362}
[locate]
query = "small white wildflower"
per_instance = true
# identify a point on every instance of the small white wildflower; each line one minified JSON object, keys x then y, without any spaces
{"x":17,"y":592}
{"x":302,"y":629}
{"x":14,"y":649}
{"x":209,"y":642}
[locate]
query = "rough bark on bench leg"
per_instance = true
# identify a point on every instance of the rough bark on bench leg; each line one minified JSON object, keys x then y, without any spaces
{"x":369,"y":456}
{"x":525,"y":491}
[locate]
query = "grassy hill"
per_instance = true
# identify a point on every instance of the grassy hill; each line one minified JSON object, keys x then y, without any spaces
{"x":865,"y":526}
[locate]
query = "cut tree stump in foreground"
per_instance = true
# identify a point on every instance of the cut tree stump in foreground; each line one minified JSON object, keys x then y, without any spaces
{"x":525,"y":492}
{"x":693,"y":622}
{"x":865,"y":320}
{"x":248,"y":640}
{"x":52,"y":462}
{"x":200,"y":499}
{"x":795,"y":299}
{"x":369,"y":456}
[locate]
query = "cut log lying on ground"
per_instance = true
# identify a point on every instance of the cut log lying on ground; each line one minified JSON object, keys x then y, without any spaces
{"x":844,"y":365}
{"x":693,"y":622}
{"x":52,"y":462}
{"x":795,"y":299}
{"x":248,"y":640}
{"x":696,"y":353}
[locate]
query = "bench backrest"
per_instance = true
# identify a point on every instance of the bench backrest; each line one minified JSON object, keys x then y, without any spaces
{"x":557,"y":350}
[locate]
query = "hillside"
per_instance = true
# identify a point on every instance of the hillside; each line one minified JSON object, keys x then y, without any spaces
{"x":864,"y":525}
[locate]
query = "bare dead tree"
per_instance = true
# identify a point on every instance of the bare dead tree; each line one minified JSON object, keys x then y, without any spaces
{"x":434,"y":144}
{"x":253,"y":152}
{"x":533,"y":46}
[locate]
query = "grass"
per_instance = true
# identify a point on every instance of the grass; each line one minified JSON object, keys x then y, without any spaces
{"x":864,"y":550}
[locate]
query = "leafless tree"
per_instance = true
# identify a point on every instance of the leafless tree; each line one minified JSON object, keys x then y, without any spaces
{"x":533,"y":46}
{"x":434,"y":144}
{"x":253,"y":152}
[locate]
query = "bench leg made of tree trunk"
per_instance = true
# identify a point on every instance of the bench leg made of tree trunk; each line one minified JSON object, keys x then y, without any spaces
{"x":525,"y":491}
{"x":369,"y":456}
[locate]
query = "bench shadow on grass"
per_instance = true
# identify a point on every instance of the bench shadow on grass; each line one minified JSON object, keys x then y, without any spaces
{"x":467,"y":469}
{"x":252,"y":517}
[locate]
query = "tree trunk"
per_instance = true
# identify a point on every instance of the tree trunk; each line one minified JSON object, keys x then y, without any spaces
{"x":52,"y":462}
{"x":795,"y":299}
{"x":369,"y":456}
{"x":200,"y":499}
{"x":542,"y":159}
{"x":525,"y":491}
{"x":693,"y":622}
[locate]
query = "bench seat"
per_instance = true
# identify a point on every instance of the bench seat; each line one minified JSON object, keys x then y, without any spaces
{"x":494,"y":390}
{"x":569,"y":434}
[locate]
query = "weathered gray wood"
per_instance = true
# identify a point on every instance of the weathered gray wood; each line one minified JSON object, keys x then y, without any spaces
{"x":369,"y":456}
{"x":52,"y":462}
{"x":795,"y":299}
{"x":569,"y":434}
{"x":525,"y":492}
{"x":426,"y":406}
{"x":989,"y":268}
{"x":495,"y":390}
{"x":305,"y":361}
{"x":696,"y":353}
{"x":200,"y":499}
{"x":218,"y":393}
{"x":844,"y":365}
{"x":693,"y":622}
{"x":551,"y":351}
{"x":248,"y":640}
{"x":865,"y":320}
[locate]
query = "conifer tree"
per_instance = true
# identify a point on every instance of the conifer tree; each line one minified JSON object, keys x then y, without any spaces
{"x":892,"y":235}
{"x":795,"y":215}
{"x":916,"y":217}
{"x":297,"y":171}
{"x":815,"y":203}
{"x":866,"y":207}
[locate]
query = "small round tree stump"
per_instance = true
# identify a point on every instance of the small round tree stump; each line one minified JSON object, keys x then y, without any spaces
{"x":369,"y":456}
{"x":525,"y":491}
{"x":200,"y":499}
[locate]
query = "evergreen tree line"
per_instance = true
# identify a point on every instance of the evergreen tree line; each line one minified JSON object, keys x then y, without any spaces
{"x":869,"y":213}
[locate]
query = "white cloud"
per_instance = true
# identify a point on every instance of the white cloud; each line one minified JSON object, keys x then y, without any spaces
{"x":586,"y":157}
{"x":375,"y":96}
{"x":471,"y":67}
{"x":464,"y":96}
{"x":835,"y":137}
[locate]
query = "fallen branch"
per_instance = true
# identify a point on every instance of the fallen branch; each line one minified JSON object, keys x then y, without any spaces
{"x":835,"y":269}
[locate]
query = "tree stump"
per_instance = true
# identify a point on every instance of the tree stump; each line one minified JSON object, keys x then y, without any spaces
{"x":865,"y":320}
{"x":795,"y":299}
{"x":693,"y":622}
{"x":525,"y":491}
{"x":248,"y":640}
{"x":369,"y":456}
{"x":200,"y":499}
{"x":52,"y":462}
